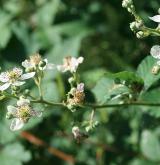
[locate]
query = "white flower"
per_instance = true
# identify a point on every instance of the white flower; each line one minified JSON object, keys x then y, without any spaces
{"x":21,"y":113}
{"x":14,"y":77}
{"x":37,"y":61}
{"x":155,"y":18}
{"x":70,"y":64}
{"x":155,"y":51}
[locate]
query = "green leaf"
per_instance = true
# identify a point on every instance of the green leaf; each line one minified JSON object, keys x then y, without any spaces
{"x":150,"y":145}
{"x":141,"y":162}
{"x":90,"y":77}
{"x":130,"y":77}
{"x":106,"y":88}
{"x":6,"y":134}
{"x":51,"y":8}
{"x":152,"y":96}
{"x":71,"y":29}
{"x":144,"y":71}
{"x":68,"y":47}
{"x":14,"y":154}
{"x":5,"y":29}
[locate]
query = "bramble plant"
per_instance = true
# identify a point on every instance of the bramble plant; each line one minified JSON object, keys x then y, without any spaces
{"x":125,"y":88}
{"x":79,"y":82}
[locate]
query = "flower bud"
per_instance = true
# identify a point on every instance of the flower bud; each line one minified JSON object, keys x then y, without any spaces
{"x":15,"y":88}
{"x":141,"y":34}
{"x":136,"y":25}
{"x":76,"y":131}
{"x":139,"y":24}
{"x":27,"y":91}
{"x":130,"y":9}
{"x":71,"y":80}
{"x":155,"y":70}
{"x":127,"y":3}
{"x":71,"y":107}
{"x":2,"y":97}
{"x":133,"y":26}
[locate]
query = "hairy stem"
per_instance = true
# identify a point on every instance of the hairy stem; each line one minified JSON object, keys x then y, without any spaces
{"x":98,"y":106}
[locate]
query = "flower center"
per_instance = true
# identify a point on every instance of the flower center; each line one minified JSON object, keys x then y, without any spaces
{"x":35,"y":59}
{"x":24,"y":112}
{"x":14,"y":75}
{"x":67,"y":61}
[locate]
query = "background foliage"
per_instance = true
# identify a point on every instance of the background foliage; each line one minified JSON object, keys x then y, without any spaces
{"x":99,"y":31}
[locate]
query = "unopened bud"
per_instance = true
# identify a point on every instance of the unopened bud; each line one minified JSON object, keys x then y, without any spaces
{"x":71,"y":107}
{"x":2,"y":97}
{"x":133,"y":26}
{"x":76,"y":131}
{"x":15,"y":88}
{"x":127,"y":3}
{"x":71,"y":80}
{"x":27,"y":91}
{"x":139,"y":24}
{"x":155,"y":70}
{"x":136,"y":25}
{"x":141,"y":34}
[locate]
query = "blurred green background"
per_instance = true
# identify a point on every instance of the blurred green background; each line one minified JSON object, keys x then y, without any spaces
{"x":99,"y":31}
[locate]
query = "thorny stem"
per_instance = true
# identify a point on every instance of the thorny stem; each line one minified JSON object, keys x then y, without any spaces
{"x":97,"y":106}
{"x":47,"y":102}
{"x":89,"y":105}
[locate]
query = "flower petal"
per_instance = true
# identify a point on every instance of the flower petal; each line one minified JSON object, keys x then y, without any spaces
{"x":80,"y":87}
{"x":5,"y":86}
{"x":50,"y":66}
{"x":18,"y":71}
{"x":11,"y":109}
{"x":155,"y":51}
{"x":28,"y":75}
{"x":80,"y":60}
{"x":18,"y":83}
{"x":155,"y":18}
{"x":23,"y":101}
{"x":27,"y":64}
{"x":4,"y":77}
{"x":16,"y":124}
{"x":61,"y":68}
{"x":36,"y":113}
